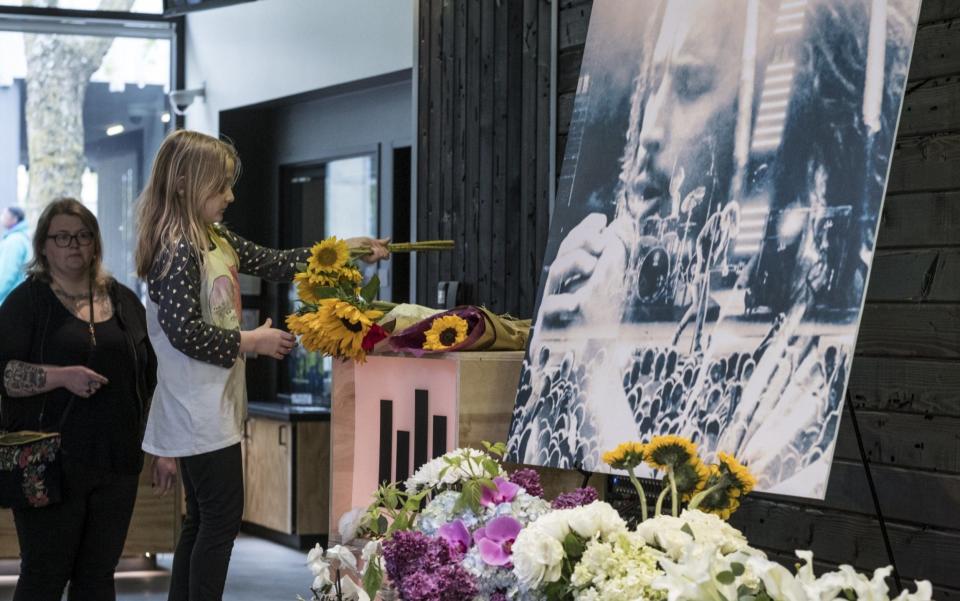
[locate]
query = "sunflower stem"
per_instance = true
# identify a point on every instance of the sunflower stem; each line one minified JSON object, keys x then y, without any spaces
{"x":659,"y":507}
{"x":700,"y":496}
{"x":639,"y":487}
{"x":674,"y":501}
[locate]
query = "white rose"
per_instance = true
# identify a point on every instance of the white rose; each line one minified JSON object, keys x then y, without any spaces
{"x":537,"y":558}
{"x":554,"y":524}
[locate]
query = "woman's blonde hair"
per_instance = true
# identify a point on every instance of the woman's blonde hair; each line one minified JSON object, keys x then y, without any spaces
{"x":39,"y":266}
{"x":189,"y":168}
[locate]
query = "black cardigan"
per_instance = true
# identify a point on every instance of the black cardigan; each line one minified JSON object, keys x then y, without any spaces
{"x":28,"y":318}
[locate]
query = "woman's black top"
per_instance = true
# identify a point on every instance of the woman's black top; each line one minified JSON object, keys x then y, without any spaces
{"x":105,"y":430}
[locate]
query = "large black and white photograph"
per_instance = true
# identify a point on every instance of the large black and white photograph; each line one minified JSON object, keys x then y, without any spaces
{"x":713,"y":231}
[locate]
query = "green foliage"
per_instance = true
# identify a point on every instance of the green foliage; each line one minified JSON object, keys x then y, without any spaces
{"x":372,"y":578}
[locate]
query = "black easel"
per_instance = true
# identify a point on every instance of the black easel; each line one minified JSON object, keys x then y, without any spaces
{"x":873,"y":492}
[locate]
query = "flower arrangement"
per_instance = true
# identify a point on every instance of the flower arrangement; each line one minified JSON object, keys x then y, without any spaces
{"x":463,"y":528}
{"x":339,"y":315}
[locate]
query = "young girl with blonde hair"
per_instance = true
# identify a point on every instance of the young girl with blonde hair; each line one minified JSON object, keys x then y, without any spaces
{"x":191,"y":262}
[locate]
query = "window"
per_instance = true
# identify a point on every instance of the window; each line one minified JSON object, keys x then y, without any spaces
{"x":340,"y":198}
{"x":86,"y":114}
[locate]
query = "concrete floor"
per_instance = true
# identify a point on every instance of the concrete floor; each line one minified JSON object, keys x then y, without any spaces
{"x":259,"y":571}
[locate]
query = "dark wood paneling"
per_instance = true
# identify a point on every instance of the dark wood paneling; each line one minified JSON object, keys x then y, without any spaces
{"x":920,"y":220}
{"x":906,"y":385}
{"x":931,"y":106}
{"x":924,"y":442}
{"x":910,"y":330}
{"x":484,"y":143}
{"x":916,"y":275}
{"x":840,"y":537}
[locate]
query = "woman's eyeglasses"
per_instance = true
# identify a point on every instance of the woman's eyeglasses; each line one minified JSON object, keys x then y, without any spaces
{"x":64,"y":240}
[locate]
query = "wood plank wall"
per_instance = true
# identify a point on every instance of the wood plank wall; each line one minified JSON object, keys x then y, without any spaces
{"x":483,"y":145}
{"x":906,"y":376}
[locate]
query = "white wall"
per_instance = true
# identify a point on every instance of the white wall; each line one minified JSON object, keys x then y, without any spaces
{"x":258,"y":51}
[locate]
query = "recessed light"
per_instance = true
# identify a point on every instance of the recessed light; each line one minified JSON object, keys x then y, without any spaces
{"x":114,"y":130}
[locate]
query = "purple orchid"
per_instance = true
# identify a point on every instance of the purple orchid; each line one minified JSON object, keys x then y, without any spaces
{"x":456,"y":535}
{"x":496,"y":539}
{"x":504,"y":492}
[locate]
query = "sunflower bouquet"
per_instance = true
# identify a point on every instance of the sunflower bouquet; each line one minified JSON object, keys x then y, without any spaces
{"x":715,"y":488}
{"x":339,"y":314}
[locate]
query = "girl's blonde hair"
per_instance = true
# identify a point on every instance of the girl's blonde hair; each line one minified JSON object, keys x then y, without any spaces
{"x":39,"y":266}
{"x":189,"y":168}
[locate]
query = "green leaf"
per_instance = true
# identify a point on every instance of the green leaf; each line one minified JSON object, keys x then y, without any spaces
{"x":372,"y":579}
{"x":574,"y":546}
{"x":491,"y":467}
{"x":326,"y":292}
{"x":737,"y":568}
{"x":556,"y":591}
{"x":301,"y":266}
{"x":382,"y":525}
{"x":370,"y":289}
{"x":747,"y":598}
{"x":726,"y":577}
{"x":850,"y":594}
{"x":686,"y":528}
{"x":469,"y":497}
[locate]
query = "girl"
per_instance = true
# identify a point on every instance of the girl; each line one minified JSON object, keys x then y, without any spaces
{"x":190,"y":263}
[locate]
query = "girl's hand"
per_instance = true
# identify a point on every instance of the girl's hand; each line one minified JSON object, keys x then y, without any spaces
{"x":164,"y":474}
{"x":80,"y":380}
{"x":378,"y":248}
{"x":267,"y":340}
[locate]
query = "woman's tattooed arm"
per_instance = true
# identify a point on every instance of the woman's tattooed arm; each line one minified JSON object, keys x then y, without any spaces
{"x":25,"y":379}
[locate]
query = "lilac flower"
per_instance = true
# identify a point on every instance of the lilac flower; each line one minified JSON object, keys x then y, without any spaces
{"x":505,"y":492}
{"x":405,"y":553}
{"x":421,"y":586}
{"x":576,"y":498}
{"x":529,"y":480}
{"x":499,"y":595}
{"x":496,"y":539}
{"x":456,"y":535}
{"x":457,"y":584}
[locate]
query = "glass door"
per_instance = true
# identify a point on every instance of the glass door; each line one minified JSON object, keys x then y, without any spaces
{"x":338,"y":197}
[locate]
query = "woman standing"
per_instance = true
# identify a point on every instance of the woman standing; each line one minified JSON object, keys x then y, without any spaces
{"x":75,"y":358}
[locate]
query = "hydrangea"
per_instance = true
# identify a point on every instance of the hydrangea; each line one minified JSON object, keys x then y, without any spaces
{"x":621,"y":569}
{"x":538,"y":552}
{"x":673,"y":534}
{"x":525,"y":508}
{"x":439,"y":511}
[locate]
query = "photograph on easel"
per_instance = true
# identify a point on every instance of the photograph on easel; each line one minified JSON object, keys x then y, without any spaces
{"x":713,"y":231}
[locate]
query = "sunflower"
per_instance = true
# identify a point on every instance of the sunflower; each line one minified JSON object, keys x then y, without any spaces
{"x":669,"y":451}
{"x":344,"y":327}
{"x":307,"y":327}
{"x":627,"y":455}
{"x":728,"y":481}
{"x":306,"y":289}
{"x":740,"y":476}
{"x":691,"y":477}
{"x":328,"y":255}
{"x":445,"y":332}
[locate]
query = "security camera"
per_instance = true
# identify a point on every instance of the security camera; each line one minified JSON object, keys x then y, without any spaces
{"x":180,"y":100}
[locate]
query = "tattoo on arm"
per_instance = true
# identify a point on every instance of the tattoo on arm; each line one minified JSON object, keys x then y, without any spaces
{"x":24,"y":379}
